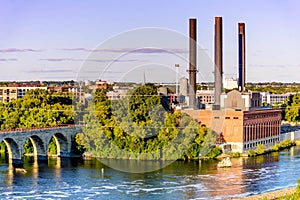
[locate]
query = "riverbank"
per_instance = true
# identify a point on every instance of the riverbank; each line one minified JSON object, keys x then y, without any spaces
{"x":262,"y":150}
{"x":269,"y":195}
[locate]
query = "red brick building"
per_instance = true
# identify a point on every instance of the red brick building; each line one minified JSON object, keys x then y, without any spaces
{"x":243,"y":124}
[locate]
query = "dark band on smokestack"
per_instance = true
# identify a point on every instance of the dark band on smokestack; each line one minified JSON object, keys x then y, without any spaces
{"x":218,"y":62}
{"x":242,"y":58}
{"x":192,"y":65}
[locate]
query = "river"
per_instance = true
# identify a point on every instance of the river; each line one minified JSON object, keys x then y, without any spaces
{"x":64,"y":178}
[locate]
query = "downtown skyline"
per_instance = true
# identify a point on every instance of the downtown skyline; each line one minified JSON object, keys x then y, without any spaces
{"x":52,"y":40}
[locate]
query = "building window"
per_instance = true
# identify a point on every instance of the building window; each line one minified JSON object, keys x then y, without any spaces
{"x":1,"y":91}
{"x":235,"y":117}
{"x":227,"y":117}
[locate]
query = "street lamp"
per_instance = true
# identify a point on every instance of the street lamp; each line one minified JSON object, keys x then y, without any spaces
{"x":177,"y":67}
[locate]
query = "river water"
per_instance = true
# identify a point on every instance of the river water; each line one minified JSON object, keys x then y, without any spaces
{"x":73,"y":178}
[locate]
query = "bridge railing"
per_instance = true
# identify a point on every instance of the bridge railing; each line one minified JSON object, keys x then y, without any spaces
{"x":40,"y":128}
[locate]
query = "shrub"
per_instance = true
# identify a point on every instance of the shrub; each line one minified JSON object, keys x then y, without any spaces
{"x":214,"y":152}
{"x":260,"y":149}
{"x":298,"y":187}
{"x":251,"y":153}
{"x":283,"y":144}
{"x":276,"y":147}
{"x":235,"y":155}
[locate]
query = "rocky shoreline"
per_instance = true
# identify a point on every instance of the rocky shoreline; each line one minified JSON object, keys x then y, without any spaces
{"x":269,"y":195}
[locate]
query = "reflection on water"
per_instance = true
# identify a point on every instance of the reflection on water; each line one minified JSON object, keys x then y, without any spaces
{"x":77,"y":178}
{"x":135,"y":166}
{"x":55,"y":163}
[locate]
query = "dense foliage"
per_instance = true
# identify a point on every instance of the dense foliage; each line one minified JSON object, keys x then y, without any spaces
{"x":140,"y":127}
{"x":37,"y":108}
{"x":3,"y":148}
{"x":291,"y":109}
{"x":275,"y":89}
{"x":28,"y":147}
{"x":52,"y":148}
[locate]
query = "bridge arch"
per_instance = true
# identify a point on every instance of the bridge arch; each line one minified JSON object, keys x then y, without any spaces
{"x":39,"y":148}
{"x":14,"y":151}
{"x":62,"y":144}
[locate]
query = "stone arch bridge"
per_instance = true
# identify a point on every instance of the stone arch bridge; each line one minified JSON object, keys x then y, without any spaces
{"x":40,"y":138}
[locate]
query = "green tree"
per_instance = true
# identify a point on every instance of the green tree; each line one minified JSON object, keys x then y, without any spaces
{"x":142,"y":101}
{"x":292,"y":109}
{"x":28,"y":147}
{"x":208,"y":143}
{"x":3,"y":148}
{"x":52,"y":148}
{"x":214,"y":152}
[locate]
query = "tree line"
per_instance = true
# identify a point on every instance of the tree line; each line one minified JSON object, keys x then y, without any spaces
{"x":38,"y":108}
{"x":291,"y":108}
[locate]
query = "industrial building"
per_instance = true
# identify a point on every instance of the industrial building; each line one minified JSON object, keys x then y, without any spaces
{"x":237,"y":117}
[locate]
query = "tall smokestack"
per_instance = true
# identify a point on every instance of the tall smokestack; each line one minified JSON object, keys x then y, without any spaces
{"x":192,"y":66}
{"x":242,"y":58}
{"x":218,"y":62}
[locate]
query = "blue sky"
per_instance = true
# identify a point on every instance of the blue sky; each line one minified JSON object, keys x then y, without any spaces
{"x":56,"y":40}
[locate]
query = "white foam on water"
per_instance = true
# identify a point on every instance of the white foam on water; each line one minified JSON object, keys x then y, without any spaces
{"x":53,"y":192}
{"x":28,"y":196}
{"x":105,"y":193}
{"x":109,"y":187}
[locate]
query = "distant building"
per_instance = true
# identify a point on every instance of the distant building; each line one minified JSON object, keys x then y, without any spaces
{"x":163,"y":91}
{"x":230,"y":83}
{"x":78,"y":94}
{"x":15,"y":91}
{"x":99,"y":85}
{"x":183,"y":86}
{"x":117,"y":92}
{"x":205,"y":97}
{"x":271,"y":99}
{"x":87,"y":82}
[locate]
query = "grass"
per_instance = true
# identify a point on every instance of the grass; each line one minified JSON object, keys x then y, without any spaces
{"x":294,"y":196}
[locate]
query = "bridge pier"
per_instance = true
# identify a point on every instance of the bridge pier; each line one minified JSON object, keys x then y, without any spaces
{"x":65,"y":154}
{"x":17,"y":163}
{"x":42,"y":158}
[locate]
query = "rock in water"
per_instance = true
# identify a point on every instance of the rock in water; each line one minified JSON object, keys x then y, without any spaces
{"x":21,"y":170}
{"x":225,"y":163}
